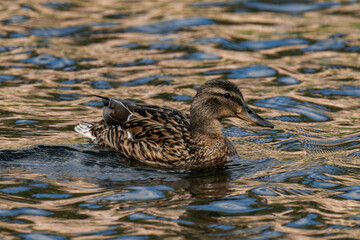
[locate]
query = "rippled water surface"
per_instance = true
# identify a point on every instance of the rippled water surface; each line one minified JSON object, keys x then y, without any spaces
{"x":297,"y":63}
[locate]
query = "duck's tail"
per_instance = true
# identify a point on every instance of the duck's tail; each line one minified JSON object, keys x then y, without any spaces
{"x":84,"y":128}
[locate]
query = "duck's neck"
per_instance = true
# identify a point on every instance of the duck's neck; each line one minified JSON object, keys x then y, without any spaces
{"x":202,"y":123}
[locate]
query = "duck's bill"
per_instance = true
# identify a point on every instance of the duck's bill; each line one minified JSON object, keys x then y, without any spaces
{"x":249,"y":115}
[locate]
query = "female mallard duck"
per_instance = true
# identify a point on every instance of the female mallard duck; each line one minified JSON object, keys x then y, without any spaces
{"x":169,"y":138}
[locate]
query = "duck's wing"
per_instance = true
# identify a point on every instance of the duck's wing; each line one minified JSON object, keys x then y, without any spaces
{"x":116,"y":112}
{"x":147,"y":133}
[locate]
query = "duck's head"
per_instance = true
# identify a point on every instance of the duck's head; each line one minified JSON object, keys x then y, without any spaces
{"x":219,"y":98}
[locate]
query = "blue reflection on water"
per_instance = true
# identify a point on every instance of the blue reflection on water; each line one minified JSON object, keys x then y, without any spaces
{"x":166,"y":46}
{"x":332,"y":43}
{"x":265,"y":44}
{"x":139,"y":193}
{"x":56,"y":32}
{"x":14,"y":35}
{"x":287,"y":80}
{"x":24,"y":211}
{"x":82,"y":30}
{"x":309,"y":110}
{"x":214,"y":4}
{"x":37,"y":236}
{"x":166,"y":27}
{"x":340,"y":227}
{"x":291,"y":8}
{"x":15,"y":19}
{"x":143,"y":61}
{"x":101,"y":84}
{"x":347,"y":90}
{"x":16,"y":189}
{"x":155,"y":79}
{"x":218,"y":40}
{"x":52,"y":195}
{"x":277,"y":6}
{"x":70,"y":81}
{"x":7,"y":48}
{"x":177,"y":221}
{"x":306,"y":175}
{"x":182,"y":98}
{"x":26,"y":7}
{"x":6,"y":78}
{"x":305,"y":221}
{"x":264,"y":191}
{"x":93,"y":103}
{"x":132,"y":237}
{"x":199,"y":56}
{"x":50,"y":62}
{"x":351,"y":192}
{"x":140,"y":81}
{"x":288,"y":118}
{"x":69,"y":97}
{"x":17,"y":35}
{"x":252,"y":45}
{"x":25,"y":121}
{"x":262,"y":232}
{"x":57,"y":5}
{"x":221,"y":226}
{"x":142,"y":216}
{"x":91,"y":205}
{"x":309,"y":70}
{"x":253,"y":71}
{"x":317,"y":184}
{"x":128,"y":45}
{"x":355,"y":154}
{"x":352,"y":49}
{"x":229,"y":206}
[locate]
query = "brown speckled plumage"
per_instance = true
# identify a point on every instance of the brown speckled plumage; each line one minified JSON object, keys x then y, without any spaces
{"x":169,"y":138}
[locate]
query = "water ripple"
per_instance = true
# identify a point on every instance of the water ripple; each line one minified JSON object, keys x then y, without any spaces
{"x":37,"y":236}
{"x":199,"y":56}
{"x":347,"y":90}
{"x":56,"y":32}
{"x":166,"y":27}
{"x":291,"y":8}
{"x":311,"y":111}
{"x":253,"y":45}
{"x":81,"y":30}
{"x":287,"y":80}
{"x":229,"y":206}
{"x":15,"y":19}
{"x":305,"y":221}
{"x":254,"y":71}
{"x":332,"y":43}
{"x":51,"y":62}
{"x":139,"y":193}
{"x":58,"y":5}
{"x":322,"y":146}
{"x":297,"y":69}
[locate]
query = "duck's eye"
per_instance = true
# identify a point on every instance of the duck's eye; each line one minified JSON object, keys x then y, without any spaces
{"x":227,"y":95}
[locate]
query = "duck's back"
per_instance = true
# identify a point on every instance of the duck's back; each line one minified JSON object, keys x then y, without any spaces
{"x":149,"y":134}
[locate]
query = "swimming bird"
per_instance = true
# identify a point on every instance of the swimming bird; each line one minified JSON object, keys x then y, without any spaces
{"x":166,"y":137}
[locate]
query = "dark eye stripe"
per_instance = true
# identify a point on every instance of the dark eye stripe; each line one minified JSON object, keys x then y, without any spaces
{"x":235,"y":99}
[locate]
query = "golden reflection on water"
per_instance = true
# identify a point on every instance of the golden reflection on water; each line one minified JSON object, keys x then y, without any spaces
{"x":56,"y":107}
{"x":74,"y":221}
{"x":34,"y":101}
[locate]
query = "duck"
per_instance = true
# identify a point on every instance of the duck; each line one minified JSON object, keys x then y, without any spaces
{"x":168,"y":138}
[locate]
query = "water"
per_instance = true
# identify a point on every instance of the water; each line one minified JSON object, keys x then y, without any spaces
{"x":297,"y":64}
